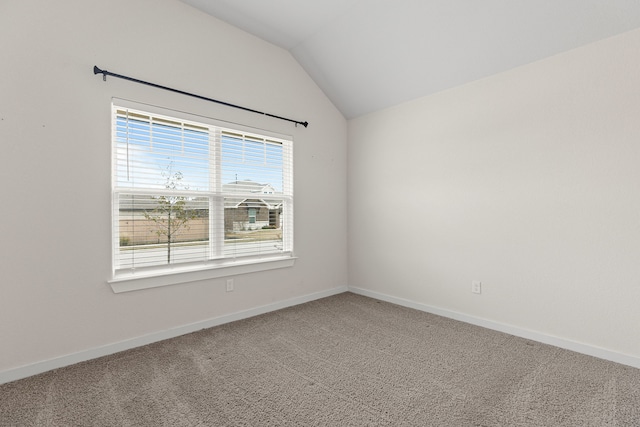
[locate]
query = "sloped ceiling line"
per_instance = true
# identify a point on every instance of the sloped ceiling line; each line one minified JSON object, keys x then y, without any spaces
{"x":368,"y":55}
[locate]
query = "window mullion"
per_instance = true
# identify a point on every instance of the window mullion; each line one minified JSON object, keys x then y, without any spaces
{"x":216,"y":202}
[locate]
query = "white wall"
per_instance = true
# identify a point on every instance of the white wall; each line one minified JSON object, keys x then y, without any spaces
{"x":55,"y":173}
{"x":527,"y":181}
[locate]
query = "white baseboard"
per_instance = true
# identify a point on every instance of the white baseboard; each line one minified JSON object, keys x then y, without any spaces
{"x":70,"y":359}
{"x":589,"y":350}
{"x":59,"y":362}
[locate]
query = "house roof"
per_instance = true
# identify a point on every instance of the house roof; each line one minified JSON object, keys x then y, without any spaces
{"x":249,"y":194}
{"x":248,"y":186}
{"x":252,"y":203}
{"x":129,"y":202}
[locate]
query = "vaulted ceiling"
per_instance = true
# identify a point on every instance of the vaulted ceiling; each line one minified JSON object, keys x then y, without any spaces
{"x":367,"y":55}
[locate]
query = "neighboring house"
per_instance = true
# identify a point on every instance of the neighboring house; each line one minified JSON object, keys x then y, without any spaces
{"x":241,"y":213}
{"x":244,"y":213}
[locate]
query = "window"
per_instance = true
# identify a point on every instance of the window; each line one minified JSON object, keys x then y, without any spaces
{"x":190,"y":193}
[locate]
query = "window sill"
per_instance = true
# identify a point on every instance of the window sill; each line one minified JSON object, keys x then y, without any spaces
{"x":128,"y":282}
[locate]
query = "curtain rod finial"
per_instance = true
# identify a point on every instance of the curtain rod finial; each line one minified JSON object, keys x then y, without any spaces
{"x":97,"y":70}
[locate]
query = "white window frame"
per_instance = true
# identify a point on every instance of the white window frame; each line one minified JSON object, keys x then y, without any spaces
{"x":132,"y":279}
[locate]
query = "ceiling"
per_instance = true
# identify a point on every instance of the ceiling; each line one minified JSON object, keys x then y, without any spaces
{"x":367,"y":55}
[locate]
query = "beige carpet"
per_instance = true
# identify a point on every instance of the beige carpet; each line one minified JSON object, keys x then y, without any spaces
{"x":346,"y":360}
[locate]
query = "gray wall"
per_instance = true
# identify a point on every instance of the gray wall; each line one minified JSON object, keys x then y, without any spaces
{"x":526,"y":181}
{"x":56,"y":167}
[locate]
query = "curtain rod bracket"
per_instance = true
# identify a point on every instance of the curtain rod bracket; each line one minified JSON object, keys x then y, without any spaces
{"x":104,"y":73}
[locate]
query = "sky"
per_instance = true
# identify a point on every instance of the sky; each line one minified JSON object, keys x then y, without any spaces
{"x":148,"y":152}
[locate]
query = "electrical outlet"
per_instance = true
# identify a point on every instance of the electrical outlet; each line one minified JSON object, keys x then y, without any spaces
{"x":229,"y":285}
{"x":476,"y":287}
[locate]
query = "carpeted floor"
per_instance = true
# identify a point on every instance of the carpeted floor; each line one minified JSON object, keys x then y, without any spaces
{"x":346,"y":360}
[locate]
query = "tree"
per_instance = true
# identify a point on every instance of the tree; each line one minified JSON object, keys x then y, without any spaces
{"x":171,"y":215}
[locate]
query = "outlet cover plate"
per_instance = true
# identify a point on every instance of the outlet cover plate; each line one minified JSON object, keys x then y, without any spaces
{"x":476,"y":287}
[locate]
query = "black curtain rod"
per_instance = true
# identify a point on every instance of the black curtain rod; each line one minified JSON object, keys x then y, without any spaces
{"x":106,"y":73}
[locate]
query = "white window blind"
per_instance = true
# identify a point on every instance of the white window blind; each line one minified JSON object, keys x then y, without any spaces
{"x":192,"y":193}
